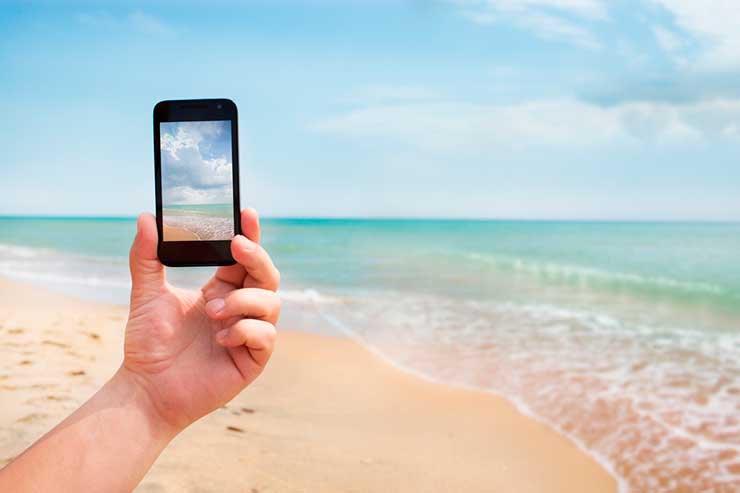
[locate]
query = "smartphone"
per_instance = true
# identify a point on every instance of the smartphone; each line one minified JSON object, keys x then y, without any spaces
{"x":196,"y":163}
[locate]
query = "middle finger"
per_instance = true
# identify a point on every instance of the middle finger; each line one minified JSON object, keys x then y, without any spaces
{"x":256,"y":303}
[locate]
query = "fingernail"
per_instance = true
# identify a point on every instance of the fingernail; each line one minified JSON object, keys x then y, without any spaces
{"x":215,"y":305}
{"x":221,"y":334}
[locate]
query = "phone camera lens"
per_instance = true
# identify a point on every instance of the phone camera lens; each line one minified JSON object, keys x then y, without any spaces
{"x":218,"y":106}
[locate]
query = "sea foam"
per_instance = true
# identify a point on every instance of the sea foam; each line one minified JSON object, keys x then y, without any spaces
{"x":658,"y":406}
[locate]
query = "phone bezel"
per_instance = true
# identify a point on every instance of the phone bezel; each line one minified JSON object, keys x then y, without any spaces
{"x":196,"y":253}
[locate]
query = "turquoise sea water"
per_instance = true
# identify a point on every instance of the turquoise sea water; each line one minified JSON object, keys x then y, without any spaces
{"x":623,"y":336}
{"x":210,"y":210}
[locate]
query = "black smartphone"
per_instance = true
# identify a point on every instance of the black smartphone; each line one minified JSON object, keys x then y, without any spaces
{"x":196,"y":163}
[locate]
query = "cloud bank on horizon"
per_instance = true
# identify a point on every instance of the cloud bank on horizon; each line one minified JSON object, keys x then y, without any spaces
{"x":686,"y":105}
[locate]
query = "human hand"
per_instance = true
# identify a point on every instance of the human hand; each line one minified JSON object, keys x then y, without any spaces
{"x":193,"y":351}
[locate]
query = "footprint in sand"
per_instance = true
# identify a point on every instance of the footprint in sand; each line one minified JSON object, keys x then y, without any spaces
{"x":12,"y":435}
{"x":93,"y":336}
{"x":75,"y":354}
{"x":245,"y":410}
{"x":150,"y":487}
{"x":30,"y":418}
{"x":43,"y":386}
{"x":26,"y":362}
{"x":49,"y":397}
{"x":14,"y":344}
{"x":235,"y":429}
{"x":49,"y":342}
{"x":76,"y":373}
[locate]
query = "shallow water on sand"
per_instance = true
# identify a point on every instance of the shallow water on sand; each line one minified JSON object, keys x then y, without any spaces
{"x":623,"y":336}
{"x":207,"y":221}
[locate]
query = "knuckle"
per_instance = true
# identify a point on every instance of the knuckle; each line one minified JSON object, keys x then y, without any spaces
{"x":240,"y":300}
{"x":238,"y":332}
{"x":275,"y":305}
{"x":269,"y":334}
{"x":272,"y":296}
{"x":278,"y":308}
{"x":243,"y":328}
{"x":243,"y":293}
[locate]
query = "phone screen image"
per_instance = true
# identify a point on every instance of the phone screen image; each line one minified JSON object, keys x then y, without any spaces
{"x":197,"y":183}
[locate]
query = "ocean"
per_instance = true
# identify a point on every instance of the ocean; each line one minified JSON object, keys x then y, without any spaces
{"x":204,"y":210}
{"x":625,"y":337}
{"x":206,"y":221}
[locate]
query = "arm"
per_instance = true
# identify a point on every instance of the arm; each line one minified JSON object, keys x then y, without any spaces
{"x":186,"y":353}
{"x":108,"y":444}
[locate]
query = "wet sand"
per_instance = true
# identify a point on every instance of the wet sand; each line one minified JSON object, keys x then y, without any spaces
{"x":327,"y":415}
{"x":173,"y":233}
{"x":203,"y":226}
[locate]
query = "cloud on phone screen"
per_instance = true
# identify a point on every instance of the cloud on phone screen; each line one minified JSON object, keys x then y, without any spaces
{"x":196,"y":162}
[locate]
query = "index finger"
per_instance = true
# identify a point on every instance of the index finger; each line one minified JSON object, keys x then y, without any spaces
{"x":250,"y":225}
{"x":260,"y":271}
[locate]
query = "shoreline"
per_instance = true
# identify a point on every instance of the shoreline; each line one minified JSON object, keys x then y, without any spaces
{"x":517,"y":404}
{"x":328,"y":414}
{"x":174,"y":233}
{"x":198,"y":226}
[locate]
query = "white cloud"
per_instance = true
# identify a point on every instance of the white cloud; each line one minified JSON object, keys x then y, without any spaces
{"x":189,"y":195}
{"x":560,"y":123}
{"x":550,"y":27}
{"x":547,"y":19}
{"x":188,"y":177}
{"x":713,"y":25}
{"x":701,"y":34}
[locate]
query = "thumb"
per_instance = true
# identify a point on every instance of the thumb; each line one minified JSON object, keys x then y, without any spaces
{"x":147,"y":272}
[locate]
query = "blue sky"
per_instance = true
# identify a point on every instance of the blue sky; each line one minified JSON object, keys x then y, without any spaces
{"x":499,"y":108}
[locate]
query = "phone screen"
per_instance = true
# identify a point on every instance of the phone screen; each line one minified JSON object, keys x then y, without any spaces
{"x":197,"y":180}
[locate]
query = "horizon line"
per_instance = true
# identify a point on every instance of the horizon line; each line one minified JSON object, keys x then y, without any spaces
{"x":402,"y":218}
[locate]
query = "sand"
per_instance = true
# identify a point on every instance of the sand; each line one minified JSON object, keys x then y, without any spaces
{"x":173,"y":233}
{"x":327,"y":415}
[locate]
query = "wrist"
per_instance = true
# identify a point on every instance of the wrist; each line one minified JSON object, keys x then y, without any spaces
{"x":128,"y":390}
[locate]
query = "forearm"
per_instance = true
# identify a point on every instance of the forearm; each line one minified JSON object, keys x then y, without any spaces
{"x":108,"y":444}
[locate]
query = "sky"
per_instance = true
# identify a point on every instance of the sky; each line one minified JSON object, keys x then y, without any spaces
{"x":532,"y":109}
{"x":196,"y":163}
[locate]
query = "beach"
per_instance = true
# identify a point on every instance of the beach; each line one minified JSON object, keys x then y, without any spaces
{"x":198,"y":222}
{"x":173,"y":233}
{"x":327,"y":415}
{"x":620,"y":337}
